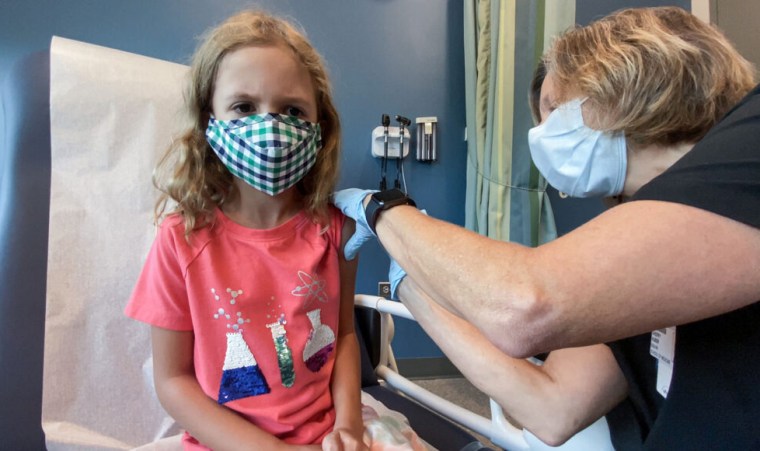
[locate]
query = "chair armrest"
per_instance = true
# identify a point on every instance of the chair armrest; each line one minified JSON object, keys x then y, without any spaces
{"x":497,"y":428}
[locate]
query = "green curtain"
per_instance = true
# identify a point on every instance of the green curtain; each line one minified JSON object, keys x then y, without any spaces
{"x":504,"y":39}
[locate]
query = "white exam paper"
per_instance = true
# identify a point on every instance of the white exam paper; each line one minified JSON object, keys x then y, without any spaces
{"x":112,"y":115}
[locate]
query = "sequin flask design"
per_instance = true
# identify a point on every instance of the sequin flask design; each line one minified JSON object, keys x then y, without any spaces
{"x":320,"y":344}
{"x":321,"y":341}
{"x":241,"y":375}
{"x":284,"y":354}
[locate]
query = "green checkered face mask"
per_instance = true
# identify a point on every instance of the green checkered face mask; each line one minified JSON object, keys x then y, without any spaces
{"x":270,"y":152}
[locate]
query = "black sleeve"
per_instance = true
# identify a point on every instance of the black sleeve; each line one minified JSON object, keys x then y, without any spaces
{"x":721,"y":174}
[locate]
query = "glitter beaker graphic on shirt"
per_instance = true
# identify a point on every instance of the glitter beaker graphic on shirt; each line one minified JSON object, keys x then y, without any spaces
{"x":241,"y":376}
{"x":284,"y":355}
{"x":320,"y":344}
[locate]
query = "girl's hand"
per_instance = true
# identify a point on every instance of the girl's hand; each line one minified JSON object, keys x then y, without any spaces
{"x":343,"y":440}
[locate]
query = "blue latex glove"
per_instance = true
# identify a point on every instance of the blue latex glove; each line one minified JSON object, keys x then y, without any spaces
{"x":395,"y":275}
{"x":351,"y":202}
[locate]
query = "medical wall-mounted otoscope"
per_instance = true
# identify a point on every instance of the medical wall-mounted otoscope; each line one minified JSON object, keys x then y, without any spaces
{"x":386,"y":121}
{"x":394,"y":142}
{"x":403,"y":123}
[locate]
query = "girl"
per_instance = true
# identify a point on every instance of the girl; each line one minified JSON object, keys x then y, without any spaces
{"x":247,"y":291}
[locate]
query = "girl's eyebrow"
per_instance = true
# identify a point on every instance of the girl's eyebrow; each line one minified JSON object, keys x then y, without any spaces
{"x":294,"y":98}
{"x":291,"y":98}
{"x":238,"y":95}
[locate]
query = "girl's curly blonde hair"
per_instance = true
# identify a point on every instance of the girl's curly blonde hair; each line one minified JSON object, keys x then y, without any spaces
{"x":660,"y":75}
{"x":191,"y":175}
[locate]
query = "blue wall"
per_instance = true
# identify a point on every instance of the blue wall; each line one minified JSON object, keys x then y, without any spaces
{"x":385,"y":56}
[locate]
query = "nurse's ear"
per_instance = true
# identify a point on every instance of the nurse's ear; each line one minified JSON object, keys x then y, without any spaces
{"x":534,"y":96}
{"x":596,"y":116}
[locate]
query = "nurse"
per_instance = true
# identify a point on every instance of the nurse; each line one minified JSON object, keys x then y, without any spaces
{"x":653,"y":306}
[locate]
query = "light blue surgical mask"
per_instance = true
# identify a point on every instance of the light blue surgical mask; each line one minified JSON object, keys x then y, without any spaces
{"x":575,"y":159}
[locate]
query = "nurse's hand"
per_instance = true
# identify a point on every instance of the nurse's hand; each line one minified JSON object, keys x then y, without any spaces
{"x":395,"y":275}
{"x":351,"y":202}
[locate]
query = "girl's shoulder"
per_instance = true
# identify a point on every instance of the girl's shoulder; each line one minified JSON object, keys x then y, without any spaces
{"x":336,"y":226}
{"x":172,"y":229}
{"x":336,"y":216}
{"x":172,"y":221}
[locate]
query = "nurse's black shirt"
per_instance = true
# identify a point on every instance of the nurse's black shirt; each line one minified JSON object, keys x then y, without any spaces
{"x":713,"y":402}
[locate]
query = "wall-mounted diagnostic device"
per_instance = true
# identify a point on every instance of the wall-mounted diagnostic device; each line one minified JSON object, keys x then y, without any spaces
{"x":391,"y":143}
{"x":427,"y":129}
{"x":394,"y":142}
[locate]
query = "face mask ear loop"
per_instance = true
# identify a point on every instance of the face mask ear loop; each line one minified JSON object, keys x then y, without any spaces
{"x":623,"y":163}
{"x":580,"y":107}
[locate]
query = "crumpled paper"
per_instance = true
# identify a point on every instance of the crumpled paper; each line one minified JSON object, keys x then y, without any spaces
{"x":112,"y":116}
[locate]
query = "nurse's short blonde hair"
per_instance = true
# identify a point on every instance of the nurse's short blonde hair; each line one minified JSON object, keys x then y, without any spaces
{"x":660,"y":75}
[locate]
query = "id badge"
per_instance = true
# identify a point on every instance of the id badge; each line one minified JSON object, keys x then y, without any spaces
{"x":663,"y":348}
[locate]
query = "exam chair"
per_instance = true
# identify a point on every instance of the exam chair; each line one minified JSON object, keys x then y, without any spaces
{"x":376,"y":320}
{"x":429,"y":414}
{"x":375,"y":332}
{"x":25,"y":174}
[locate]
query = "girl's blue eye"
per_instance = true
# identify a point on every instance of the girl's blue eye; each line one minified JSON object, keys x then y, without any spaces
{"x":293,"y":111}
{"x":243,"y":108}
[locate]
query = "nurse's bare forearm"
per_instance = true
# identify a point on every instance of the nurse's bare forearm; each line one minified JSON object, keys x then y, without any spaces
{"x":637,"y":267}
{"x":471,"y":276}
{"x":572,"y":389}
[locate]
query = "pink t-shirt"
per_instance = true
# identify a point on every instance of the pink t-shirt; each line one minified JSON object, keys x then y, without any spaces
{"x":264,"y":308}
